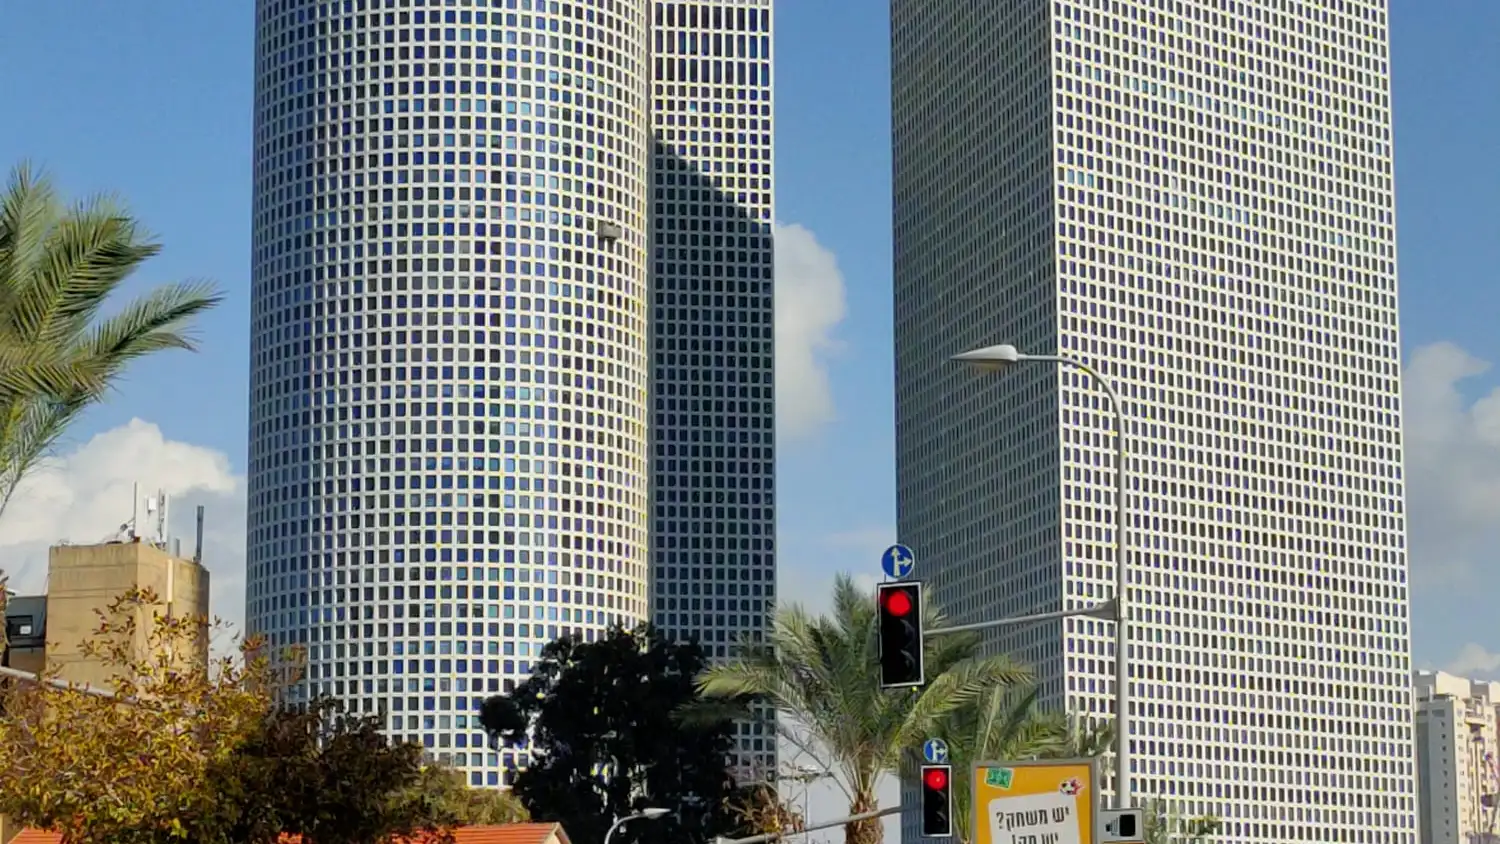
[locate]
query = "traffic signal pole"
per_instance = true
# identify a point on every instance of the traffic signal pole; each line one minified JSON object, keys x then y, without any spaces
{"x":1107,"y":610}
{"x":772,"y":836}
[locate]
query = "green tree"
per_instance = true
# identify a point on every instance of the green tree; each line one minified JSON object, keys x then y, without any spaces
{"x":463,"y":805}
{"x":822,"y":672}
{"x":1165,"y":826}
{"x":598,"y":721}
{"x":326,"y":775}
{"x":1003,"y":724}
{"x":59,"y":266}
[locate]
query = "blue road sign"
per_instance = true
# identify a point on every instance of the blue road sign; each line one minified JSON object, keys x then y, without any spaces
{"x":935,"y":751}
{"x":897,"y":561}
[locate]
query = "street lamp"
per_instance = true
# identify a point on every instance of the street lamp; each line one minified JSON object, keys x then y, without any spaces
{"x":644,"y":814}
{"x":994,"y":358}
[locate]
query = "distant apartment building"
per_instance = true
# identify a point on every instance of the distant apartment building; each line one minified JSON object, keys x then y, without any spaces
{"x":48,"y":630}
{"x":1457,"y":752}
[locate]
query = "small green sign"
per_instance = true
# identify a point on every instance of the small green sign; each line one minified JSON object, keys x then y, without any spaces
{"x":999,"y":777}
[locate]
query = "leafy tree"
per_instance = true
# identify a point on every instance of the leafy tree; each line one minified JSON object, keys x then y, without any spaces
{"x":454,"y":799}
{"x":1165,"y":826}
{"x":330,"y":777}
{"x":4,"y":600}
{"x":58,"y":268}
{"x":759,"y":810}
{"x":598,"y":720}
{"x":1003,"y":724}
{"x":823,"y":673}
{"x":130,"y":768}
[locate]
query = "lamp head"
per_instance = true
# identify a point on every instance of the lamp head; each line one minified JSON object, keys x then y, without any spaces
{"x":653,"y":813}
{"x":990,"y":358}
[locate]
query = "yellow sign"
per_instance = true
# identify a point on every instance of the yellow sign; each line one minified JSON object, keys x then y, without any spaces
{"x":1048,"y":802}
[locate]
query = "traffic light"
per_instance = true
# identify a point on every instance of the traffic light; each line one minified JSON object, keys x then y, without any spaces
{"x":937,"y":801}
{"x":900,"y":607}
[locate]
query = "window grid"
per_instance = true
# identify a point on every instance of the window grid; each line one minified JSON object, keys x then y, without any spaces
{"x":449,"y":348}
{"x":713,"y":422}
{"x":1195,"y":197}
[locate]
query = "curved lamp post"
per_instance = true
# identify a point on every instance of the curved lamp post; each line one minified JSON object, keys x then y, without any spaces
{"x":995,"y":358}
{"x":644,"y":814}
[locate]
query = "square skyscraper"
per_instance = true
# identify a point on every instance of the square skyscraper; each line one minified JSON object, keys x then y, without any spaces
{"x":1195,"y":197}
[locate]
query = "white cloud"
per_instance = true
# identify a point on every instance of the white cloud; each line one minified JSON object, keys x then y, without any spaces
{"x":83,"y":497}
{"x":1453,"y":465}
{"x":809,"y":306}
{"x":1475,"y":663}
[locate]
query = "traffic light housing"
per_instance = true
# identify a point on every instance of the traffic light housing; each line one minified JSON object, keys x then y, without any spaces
{"x":900,"y":608}
{"x":937,"y":801}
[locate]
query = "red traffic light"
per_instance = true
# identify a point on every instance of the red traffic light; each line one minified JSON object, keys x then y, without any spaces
{"x":898,"y":602}
{"x":935,"y":779}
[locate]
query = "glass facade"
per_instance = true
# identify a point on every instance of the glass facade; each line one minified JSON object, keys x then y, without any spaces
{"x":510,"y":284}
{"x":713,"y":419}
{"x":1195,"y":197}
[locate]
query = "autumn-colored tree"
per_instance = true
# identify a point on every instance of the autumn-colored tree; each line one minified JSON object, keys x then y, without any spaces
{"x":127,"y":763}
{"x":759,"y":810}
{"x":4,"y":600}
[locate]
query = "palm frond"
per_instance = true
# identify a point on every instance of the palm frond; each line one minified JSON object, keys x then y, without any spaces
{"x":58,"y":269}
{"x":959,"y":686}
{"x":27,"y":431}
{"x":27,"y":211}
{"x":85,"y":257}
{"x":156,"y":322}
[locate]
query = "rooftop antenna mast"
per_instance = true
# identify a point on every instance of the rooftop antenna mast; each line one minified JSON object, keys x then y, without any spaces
{"x":131,"y":532}
{"x":159,"y":507}
{"x":198,"y":543}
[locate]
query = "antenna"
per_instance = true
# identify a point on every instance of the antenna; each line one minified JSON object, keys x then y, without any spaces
{"x":198,"y":545}
{"x":163,"y":504}
{"x":135,"y":511}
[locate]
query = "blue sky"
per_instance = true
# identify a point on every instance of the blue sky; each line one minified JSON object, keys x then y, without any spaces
{"x":152,"y":100}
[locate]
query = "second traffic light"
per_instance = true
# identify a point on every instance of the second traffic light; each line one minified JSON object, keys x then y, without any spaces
{"x":900,"y":608}
{"x":937,"y":801}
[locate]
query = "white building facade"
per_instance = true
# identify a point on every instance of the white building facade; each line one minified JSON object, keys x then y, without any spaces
{"x":1195,"y":197}
{"x":452,"y":355}
{"x":1458,"y":758}
{"x":713,"y":418}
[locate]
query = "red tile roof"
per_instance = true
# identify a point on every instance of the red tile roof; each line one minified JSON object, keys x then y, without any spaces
{"x":515,"y":833}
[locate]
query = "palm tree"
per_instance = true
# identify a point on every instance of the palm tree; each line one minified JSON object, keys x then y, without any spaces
{"x":821,"y":672}
{"x":58,"y":355}
{"x":1003,"y":724}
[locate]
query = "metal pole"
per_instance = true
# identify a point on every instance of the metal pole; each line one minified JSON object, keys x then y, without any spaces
{"x":1103,"y":609}
{"x":772,"y":836}
{"x":616,"y":825}
{"x":1122,"y":620}
{"x":1122,"y":638}
{"x":53,"y":682}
